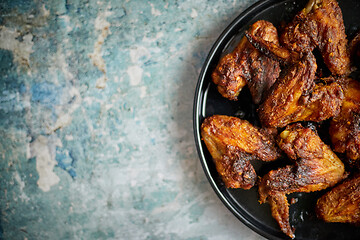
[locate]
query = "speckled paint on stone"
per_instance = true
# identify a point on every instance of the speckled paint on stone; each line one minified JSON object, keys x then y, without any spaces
{"x":96,"y":136}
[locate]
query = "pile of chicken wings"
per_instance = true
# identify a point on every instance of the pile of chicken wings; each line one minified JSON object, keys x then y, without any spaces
{"x":282,"y":74}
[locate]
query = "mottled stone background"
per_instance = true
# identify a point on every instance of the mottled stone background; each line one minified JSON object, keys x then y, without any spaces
{"x":96,"y":138}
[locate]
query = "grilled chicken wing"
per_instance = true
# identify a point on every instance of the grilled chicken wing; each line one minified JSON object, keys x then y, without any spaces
{"x":345,"y":128}
{"x":320,"y":24}
{"x":342,"y":203}
{"x":315,"y":168}
{"x":295,"y":97}
{"x":232,"y":143}
{"x":273,"y":50}
{"x":246,"y":65}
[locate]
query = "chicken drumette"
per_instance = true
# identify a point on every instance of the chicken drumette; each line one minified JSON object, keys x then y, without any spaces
{"x":315,"y":168}
{"x":247,"y":66}
{"x":232,"y":143}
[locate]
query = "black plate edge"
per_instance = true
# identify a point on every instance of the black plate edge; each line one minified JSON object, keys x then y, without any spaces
{"x":222,"y":40}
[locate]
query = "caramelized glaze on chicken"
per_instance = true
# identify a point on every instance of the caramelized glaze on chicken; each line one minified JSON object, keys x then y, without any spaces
{"x":345,"y":128}
{"x":247,"y":66}
{"x":315,"y":167}
{"x":273,"y":50}
{"x":232,"y":143}
{"x":342,"y":203}
{"x":295,"y":97}
{"x":320,"y":24}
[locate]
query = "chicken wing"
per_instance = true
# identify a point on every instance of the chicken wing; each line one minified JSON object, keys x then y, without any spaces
{"x":320,"y":24}
{"x":345,"y":128}
{"x":342,"y":203}
{"x":247,"y":66}
{"x":232,"y":143}
{"x":295,"y":97}
{"x":315,"y":168}
{"x":273,"y":50}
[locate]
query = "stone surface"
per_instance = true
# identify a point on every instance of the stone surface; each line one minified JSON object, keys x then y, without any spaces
{"x":96,"y":138}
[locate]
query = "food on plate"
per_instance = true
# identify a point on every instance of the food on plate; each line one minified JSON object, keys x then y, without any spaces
{"x":288,"y":88}
{"x":232,"y":143}
{"x":342,"y":203}
{"x":247,"y":66}
{"x":320,"y":24}
{"x":316,"y":167}
{"x":344,"y":129}
{"x":295,"y":97}
{"x":273,"y":50}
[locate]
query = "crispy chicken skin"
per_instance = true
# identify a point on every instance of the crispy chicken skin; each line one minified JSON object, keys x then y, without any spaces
{"x":295,"y":97}
{"x":232,"y":143}
{"x":247,"y":66}
{"x":320,"y":24}
{"x":342,"y":203}
{"x":273,"y":50}
{"x":345,"y":128}
{"x":315,"y":167}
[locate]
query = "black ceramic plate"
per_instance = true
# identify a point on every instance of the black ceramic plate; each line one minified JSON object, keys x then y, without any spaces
{"x":244,"y":203}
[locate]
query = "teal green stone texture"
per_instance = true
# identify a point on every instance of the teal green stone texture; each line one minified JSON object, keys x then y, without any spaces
{"x":96,"y":138}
